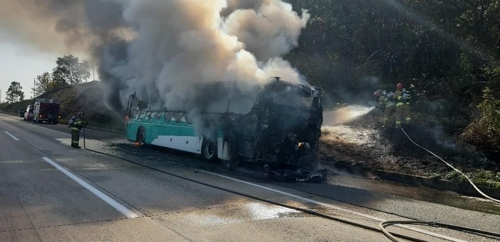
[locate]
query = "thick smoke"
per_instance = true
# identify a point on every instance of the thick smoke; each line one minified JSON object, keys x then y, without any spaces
{"x":180,"y":43}
{"x":162,"y":49}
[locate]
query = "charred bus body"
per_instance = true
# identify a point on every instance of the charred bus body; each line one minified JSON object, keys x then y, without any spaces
{"x":282,"y":124}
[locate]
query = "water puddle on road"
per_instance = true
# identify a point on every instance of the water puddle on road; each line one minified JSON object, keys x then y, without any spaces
{"x":261,"y":211}
{"x":240,"y":214}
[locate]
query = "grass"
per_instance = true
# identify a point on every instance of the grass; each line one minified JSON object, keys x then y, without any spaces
{"x":435,"y":176}
{"x":487,"y":178}
{"x":479,"y":177}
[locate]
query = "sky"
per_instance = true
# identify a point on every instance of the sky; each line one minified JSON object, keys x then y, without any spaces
{"x":20,"y":62}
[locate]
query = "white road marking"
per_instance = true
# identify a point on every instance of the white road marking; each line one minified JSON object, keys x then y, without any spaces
{"x":125,"y":211}
{"x":332,"y":206}
{"x":12,"y":136}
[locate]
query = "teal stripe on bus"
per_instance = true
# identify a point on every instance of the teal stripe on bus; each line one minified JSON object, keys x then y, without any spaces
{"x":159,"y":127}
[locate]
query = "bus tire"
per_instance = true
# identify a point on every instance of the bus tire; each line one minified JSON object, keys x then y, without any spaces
{"x":209,"y":150}
{"x":141,"y":137}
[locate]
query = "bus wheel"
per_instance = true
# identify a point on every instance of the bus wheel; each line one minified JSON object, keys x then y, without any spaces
{"x":141,"y":137}
{"x":209,"y":150}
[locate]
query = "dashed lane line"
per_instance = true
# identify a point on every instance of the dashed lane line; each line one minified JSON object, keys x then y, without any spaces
{"x":12,"y":136}
{"x":125,"y":211}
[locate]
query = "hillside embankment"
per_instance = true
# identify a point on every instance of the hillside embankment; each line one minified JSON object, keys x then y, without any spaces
{"x":86,"y":97}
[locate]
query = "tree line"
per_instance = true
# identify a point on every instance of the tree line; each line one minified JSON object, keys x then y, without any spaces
{"x":448,"y":48}
{"x":68,"y":71}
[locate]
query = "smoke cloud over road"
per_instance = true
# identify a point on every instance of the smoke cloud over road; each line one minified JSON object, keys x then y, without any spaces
{"x":161,"y":48}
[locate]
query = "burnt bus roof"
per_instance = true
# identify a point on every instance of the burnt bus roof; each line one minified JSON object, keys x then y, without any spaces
{"x":275,"y":85}
{"x":279,"y":85}
{"x":230,"y":93}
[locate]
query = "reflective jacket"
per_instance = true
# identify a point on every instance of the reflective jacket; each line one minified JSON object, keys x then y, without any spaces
{"x":389,"y":101}
{"x":78,"y":124}
{"x":402,"y":98}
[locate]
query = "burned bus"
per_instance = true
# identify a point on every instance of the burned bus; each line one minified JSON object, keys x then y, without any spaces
{"x":281,"y":124}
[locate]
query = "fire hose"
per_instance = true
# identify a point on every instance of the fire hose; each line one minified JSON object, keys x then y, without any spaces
{"x":385,"y":224}
{"x":448,"y":164}
{"x":382,"y":225}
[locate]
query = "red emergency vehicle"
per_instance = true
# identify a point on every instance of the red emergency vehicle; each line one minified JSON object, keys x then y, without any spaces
{"x":46,"y":111}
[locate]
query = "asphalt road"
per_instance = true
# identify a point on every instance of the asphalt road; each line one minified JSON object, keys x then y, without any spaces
{"x":51,"y":192}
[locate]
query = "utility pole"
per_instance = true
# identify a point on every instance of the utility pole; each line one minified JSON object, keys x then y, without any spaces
{"x":93,"y":74}
{"x":34,"y":87}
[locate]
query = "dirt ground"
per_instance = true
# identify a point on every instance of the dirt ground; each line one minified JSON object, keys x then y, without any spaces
{"x":353,"y":135}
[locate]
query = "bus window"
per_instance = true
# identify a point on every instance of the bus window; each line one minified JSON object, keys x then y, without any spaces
{"x":189,"y":120}
{"x":178,"y":117}
{"x":168,"y":116}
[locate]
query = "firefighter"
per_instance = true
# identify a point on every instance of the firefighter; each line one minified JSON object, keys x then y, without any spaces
{"x":72,"y":120}
{"x":379,"y":98}
{"x":402,"y":97}
{"x":76,"y":125}
{"x":385,"y":103}
{"x":389,"y":107}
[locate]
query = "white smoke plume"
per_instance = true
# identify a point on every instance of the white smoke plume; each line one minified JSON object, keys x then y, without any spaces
{"x":182,"y":42}
{"x":163,"y":48}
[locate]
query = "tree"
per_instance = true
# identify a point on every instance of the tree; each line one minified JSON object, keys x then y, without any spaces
{"x":15,"y":93}
{"x":70,"y":71}
{"x":44,"y":83}
{"x":447,"y":48}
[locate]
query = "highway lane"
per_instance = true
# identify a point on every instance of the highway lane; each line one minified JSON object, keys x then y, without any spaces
{"x":41,"y":203}
{"x":37,"y":200}
{"x":63,"y":128}
{"x":198,"y":213}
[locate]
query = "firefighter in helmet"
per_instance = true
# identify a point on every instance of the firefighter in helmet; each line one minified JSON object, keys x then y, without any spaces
{"x":390,"y":104}
{"x":76,"y":124}
{"x":385,"y":102}
{"x":403,"y":98}
{"x":379,"y":98}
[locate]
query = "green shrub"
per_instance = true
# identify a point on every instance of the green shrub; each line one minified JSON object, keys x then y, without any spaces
{"x":485,"y":131}
{"x":456,"y":177}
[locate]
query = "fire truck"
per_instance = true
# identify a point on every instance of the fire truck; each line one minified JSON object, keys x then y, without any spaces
{"x":46,"y":111}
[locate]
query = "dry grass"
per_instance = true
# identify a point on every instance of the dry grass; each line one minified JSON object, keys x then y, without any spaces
{"x":484,"y":133}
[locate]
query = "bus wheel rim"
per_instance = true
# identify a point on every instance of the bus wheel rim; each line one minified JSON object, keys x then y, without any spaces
{"x":142,"y":138}
{"x":209,"y":150}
